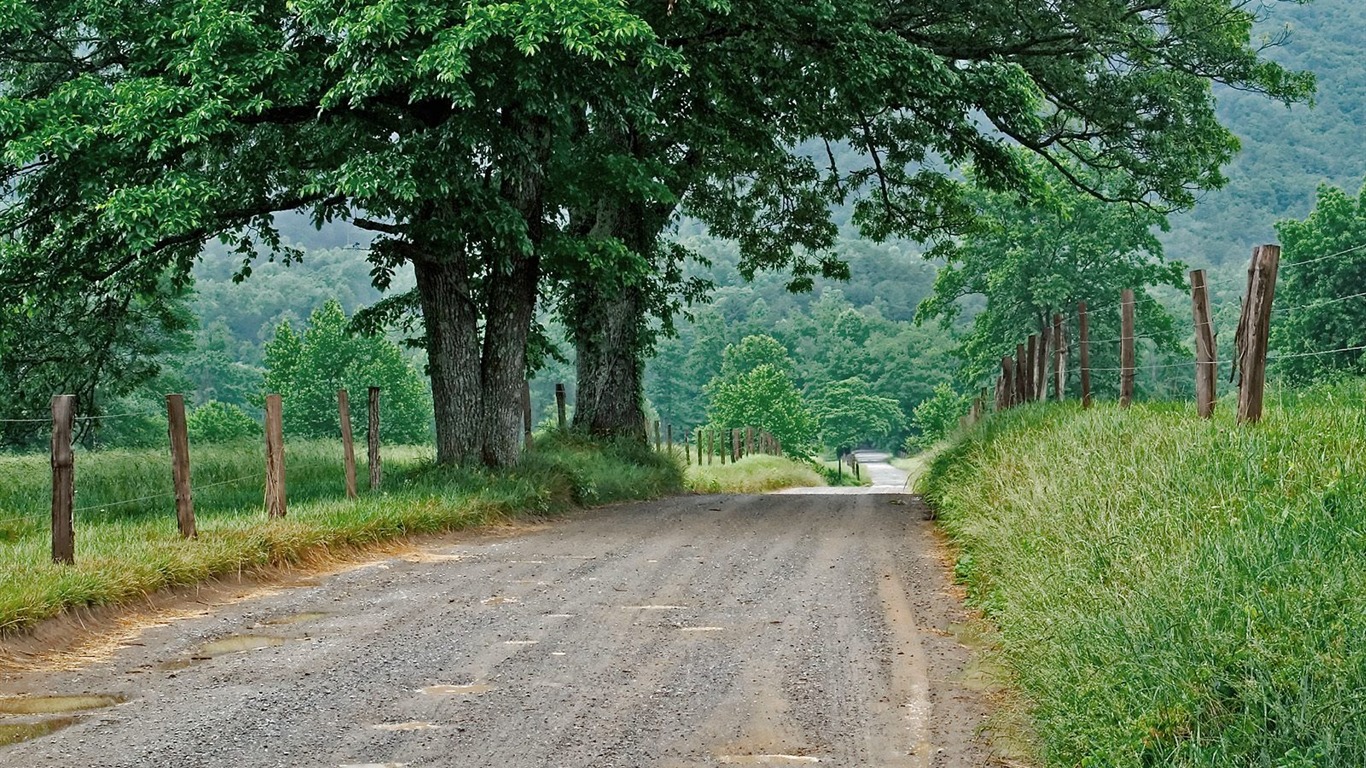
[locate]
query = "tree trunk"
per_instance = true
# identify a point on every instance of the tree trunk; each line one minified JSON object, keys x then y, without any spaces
{"x":514,"y":273}
{"x":451,"y":322}
{"x":507,"y":326}
{"x":610,"y":368}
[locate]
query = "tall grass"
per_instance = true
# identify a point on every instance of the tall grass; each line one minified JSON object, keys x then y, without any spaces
{"x":125,"y":550}
{"x":1171,"y":591}
{"x":755,"y":473}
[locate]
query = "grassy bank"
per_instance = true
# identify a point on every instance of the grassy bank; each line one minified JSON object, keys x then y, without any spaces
{"x":753,"y":474}
{"x":125,"y":550}
{"x":1171,"y":591}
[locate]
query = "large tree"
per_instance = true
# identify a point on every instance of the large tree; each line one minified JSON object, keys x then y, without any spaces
{"x":1113,"y":95}
{"x":133,"y":133}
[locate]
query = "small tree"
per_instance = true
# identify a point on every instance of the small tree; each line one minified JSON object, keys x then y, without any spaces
{"x":935,"y":418}
{"x":764,"y":398}
{"x":215,"y":422}
{"x":308,"y":370}
{"x":1315,"y":317}
{"x":851,"y":414}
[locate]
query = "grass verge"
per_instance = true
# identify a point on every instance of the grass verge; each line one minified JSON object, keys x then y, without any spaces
{"x":1173,"y":592}
{"x":126,"y":550}
{"x":756,"y":473}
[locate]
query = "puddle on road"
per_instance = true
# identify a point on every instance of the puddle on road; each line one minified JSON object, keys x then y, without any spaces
{"x":51,"y":705}
{"x":237,"y":644}
{"x":13,"y":733}
{"x":297,"y":618}
{"x":412,"y":725}
{"x":767,"y":759}
{"x":472,"y":689}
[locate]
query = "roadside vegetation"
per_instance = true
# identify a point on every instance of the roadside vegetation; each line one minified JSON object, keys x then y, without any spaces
{"x":753,"y":474}
{"x":1170,"y":591}
{"x":127,"y":550}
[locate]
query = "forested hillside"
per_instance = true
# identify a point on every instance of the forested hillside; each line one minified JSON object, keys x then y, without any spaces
{"x":1286,"y":152}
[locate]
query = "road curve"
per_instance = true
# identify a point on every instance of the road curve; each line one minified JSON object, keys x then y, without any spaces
{"x":694,"y":631}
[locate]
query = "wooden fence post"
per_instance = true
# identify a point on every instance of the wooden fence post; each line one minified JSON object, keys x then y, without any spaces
{"x":348,"y":442}
{"x":275,"y":457}
{"x":711,"y":446}
{"x":180,"y":464}
{"x":657,"y":436}
{"x":559,"y":405}
{"x":735,"y":445}
{"x":1005,"y":385}
{"x":670,"y":444}
{"x":1059,"y":360}
{"x":1084,"y":347}
{"x":526,"y":415}
{"x":1031,"y":353}
{"x":1041,"y":368}
{"x":63,"y":480}
{"x":1127,"y":359}
{"x":1021,"y":378}
{"x":1257,"y":329}
{"x":749,"y":441}
{"x":376,"y":473}
{"x":1206,"y":354}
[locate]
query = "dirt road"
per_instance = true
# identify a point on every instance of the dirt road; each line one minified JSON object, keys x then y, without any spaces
{"x":696,"y":631}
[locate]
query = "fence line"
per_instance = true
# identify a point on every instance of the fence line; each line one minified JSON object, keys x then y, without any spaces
{"x":1250,"y":360}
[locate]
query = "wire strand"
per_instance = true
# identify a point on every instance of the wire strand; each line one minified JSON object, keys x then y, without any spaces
{"x":1317,"y":259}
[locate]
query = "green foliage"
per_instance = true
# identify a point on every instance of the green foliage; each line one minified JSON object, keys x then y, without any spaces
{"x":215,"y":422}
{"x":852,"y":415}
{"x":935,"y":418}
{"x":766,"y":399}
{"x":1033,"y":258}
{"x":1318,"y":304}
{"x":841,"y":330}
{"x":1171,"y":591}
{"x":308,"y":369}
{"x":752,"y":352}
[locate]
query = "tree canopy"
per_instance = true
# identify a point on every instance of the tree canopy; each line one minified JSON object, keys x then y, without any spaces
{"x":505,"y":149}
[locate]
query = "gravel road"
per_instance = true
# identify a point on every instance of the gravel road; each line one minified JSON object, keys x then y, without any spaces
{"x":694,"y":631}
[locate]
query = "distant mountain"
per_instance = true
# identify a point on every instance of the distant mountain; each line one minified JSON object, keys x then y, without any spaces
{"x":1287,"y":153}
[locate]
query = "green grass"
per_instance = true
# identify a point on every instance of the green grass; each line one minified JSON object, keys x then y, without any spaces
{"x":1172,"y":592}
{"x":124,"y":551}
{"x":753,"y":474}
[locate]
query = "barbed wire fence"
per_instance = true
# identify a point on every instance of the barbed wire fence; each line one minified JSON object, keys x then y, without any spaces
{"x":64,"y":461}
{"x":1024,"y":378}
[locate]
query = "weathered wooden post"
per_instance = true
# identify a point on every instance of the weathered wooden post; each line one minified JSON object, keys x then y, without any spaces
{"x":275,"y":457}
{"x":1206,"y":354}
{"x":1041,"y":368}
{"x":348,"y":442}
{"x":1257,"y":330}
{"x":1031,"y":371}
{"x":657,"y":436}
{"x":1005,"y":385}
{"x":1084,"y":347}
{"x":1021,"y":395}
{"x":749,"y":441}
{"x":711,"y":445}
{"x":670,"y":444}
{"x":1059,"y":360}
{"x":63,"y":480}
{"x":1127,"y":358}
{"x":180,"y":464}
{"x":372,"y":440}
{"x":559,"y":405}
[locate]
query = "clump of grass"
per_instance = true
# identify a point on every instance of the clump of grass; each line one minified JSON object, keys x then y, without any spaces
{"x":124,"y":551}
{"x":756,"y":473}
{"x":1171,"y":591}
